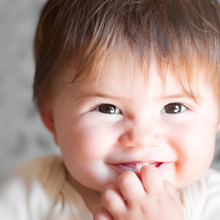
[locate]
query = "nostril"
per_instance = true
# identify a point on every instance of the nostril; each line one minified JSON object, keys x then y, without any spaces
{"x":126,"y":140}
{"x":141,"y":135}
{"x":139,"y":140}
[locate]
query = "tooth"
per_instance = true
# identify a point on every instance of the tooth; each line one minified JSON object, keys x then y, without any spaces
{"x":145,"y":164}
{"x":138,"y":166}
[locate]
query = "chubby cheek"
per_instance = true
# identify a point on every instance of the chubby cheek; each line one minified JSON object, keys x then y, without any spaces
{"x":84,"y":146}
{"x":195,"y":148}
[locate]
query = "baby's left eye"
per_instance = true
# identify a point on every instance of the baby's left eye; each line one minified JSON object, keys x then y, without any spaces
{"x":174,"y":108}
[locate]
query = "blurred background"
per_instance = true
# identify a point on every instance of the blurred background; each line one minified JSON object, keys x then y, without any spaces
{"x":22,"y":135}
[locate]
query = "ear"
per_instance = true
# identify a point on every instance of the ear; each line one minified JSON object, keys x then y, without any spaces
{"x":46,"y":113}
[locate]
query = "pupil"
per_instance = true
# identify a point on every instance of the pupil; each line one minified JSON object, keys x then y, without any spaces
{"x":107,"y":109}
{"x":173,"y":108}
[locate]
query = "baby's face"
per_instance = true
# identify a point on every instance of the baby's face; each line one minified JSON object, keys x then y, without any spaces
{"x":122,"y":122}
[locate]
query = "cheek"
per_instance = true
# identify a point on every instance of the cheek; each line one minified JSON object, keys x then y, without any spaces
{"x":84,"y":146}
{"x":81,"y":141}
{"x":195,"y":145}
{"x":77,"y":132}
{"x":200,"y":143}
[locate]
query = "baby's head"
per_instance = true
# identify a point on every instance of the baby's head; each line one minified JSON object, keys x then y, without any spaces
{"x":124,"y":83}
{"x":74,"y":38}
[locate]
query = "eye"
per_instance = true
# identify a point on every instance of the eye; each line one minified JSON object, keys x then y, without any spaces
{"x":174,"y":108}
{"x":108,"y":109}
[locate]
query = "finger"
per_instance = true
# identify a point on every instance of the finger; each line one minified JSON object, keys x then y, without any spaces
{"x":113,"y":200}
{"x":131,"y":187}
{"x":102,"y":214}
{"x":171,"y":192}
{"x":152,"y":180}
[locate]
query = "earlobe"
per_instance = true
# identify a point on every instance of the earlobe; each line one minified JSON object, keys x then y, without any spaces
{"x":47,"y":118}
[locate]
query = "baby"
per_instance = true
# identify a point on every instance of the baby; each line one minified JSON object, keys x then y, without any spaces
{"x":129,"y":90}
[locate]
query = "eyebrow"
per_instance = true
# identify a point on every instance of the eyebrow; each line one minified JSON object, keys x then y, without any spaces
{"x":175,"y":96}
{"x":195,"y":98}
{"x":101,"y":95}
{"x":180,"y":96}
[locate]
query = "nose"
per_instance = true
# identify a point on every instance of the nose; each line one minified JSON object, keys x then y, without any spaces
{"x":141,"y":136}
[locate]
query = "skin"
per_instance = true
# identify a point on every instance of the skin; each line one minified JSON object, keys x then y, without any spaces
{"x":121,"y":131}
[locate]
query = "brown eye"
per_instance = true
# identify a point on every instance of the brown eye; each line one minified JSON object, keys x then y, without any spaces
{"x":108,"y":109}
{"x":174,"y":108}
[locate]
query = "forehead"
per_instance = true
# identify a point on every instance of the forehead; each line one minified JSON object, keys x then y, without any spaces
{"x":124,"y":75}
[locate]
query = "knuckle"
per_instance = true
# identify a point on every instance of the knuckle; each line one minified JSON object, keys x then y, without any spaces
{"x":107,"y":196}
{"x":108,"y":199}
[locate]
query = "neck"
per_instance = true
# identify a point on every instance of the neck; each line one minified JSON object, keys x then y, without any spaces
{"x":91,"y":197}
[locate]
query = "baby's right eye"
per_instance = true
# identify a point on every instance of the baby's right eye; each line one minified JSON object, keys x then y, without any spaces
{"x":108,"y":109}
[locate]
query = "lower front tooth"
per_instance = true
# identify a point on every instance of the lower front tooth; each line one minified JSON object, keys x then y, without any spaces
{"x":138,"y":167}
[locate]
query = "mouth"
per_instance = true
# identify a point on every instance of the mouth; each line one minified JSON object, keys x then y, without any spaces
{"x":136,"y":167}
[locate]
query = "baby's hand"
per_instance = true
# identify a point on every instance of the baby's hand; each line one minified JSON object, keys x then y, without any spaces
{"x":152,"y":199}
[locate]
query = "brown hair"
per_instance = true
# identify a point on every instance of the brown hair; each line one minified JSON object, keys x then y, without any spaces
{"x":83,"y":32}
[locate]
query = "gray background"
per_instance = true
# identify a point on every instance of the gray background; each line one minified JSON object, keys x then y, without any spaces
{"x":22,"y":135}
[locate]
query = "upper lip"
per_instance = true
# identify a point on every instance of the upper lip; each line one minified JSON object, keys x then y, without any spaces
{"x":140,"y":157}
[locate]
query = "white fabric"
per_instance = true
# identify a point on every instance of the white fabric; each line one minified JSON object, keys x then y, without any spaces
{"x":40,"y":191}
{"x":201,"y":200}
